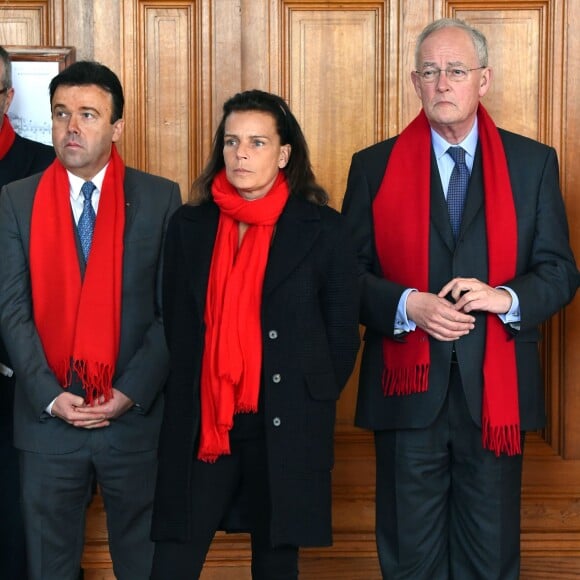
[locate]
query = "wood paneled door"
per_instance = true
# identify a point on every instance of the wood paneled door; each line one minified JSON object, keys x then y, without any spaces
{"x":344,"y":67}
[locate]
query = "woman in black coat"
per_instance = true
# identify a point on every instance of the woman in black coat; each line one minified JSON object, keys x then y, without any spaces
{"x":261,"y":317}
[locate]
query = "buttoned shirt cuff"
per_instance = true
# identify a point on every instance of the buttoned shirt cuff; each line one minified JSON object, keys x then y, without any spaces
{"x":512,"y":316}
{"x":402,"y":323}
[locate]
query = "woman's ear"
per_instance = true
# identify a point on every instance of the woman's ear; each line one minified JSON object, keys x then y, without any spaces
{"x":285,"y":151}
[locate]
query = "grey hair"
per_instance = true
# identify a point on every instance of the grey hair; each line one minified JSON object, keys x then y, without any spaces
{"x":5,"y":59}
{"x":478,"y":38}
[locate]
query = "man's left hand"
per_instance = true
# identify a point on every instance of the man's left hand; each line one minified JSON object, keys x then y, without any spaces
{"x":470,"y":295}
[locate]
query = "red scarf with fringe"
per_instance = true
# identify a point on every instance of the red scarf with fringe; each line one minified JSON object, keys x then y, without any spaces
{"x":7,"y":136}
{"x":403,"y":202}
{"x":232,"y":356}
{"x":78,"y":321}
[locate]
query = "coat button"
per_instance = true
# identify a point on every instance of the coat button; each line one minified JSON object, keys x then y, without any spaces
{"x":276,"y":378}
{"x":272,"y":334}
{"x":276,"y":422}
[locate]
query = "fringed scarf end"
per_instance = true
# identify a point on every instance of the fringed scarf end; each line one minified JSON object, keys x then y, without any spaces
{"x":211,"y":455}
{"x":505,"y":439}
{"x":97,"y":381}
{"x":406,"y":381}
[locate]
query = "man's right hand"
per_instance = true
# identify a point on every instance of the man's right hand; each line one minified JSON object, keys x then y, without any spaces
{"x":438,"y":317}
{"x":66,"y":407}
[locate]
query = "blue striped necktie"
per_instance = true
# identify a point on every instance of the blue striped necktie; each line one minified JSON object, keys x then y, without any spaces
{"x":457,"y":189}
{"x":86,"y":224}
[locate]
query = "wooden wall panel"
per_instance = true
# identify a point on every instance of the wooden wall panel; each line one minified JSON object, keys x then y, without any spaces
{"x":165,"y":98}
{"x":25,"y":24}
{"x":516,"y":38}
{"x":162,"y":73}
{"x":320,"y":62}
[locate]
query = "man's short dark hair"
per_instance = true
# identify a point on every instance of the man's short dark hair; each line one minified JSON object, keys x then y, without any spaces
{"x":86,"y":72}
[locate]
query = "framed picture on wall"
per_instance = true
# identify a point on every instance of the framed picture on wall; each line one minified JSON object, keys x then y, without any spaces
{"x":32,"y":70}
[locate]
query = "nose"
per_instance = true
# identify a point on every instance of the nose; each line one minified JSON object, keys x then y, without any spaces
{"x":242,"y":152}
{"x":442,"y":82}
{"x":73,"y":124}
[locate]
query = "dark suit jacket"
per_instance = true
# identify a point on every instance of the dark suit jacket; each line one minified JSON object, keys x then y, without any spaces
{"x":310,"y":340}
{"x":546,"y":279}
{"x":24,"y":158}
{"x":142,"y":363}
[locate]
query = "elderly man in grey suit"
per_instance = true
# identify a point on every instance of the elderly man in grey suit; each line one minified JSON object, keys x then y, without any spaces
{"x":80,"y":314}
{"x":463,"y":251}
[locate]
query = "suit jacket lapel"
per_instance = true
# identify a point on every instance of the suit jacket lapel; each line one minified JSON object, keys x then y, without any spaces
{"x":296,"y":232}
{"x":131,"y":203}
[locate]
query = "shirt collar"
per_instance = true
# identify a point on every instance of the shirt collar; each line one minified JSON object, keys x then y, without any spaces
{"x":77,"y":182}
{"x":440,"y":146}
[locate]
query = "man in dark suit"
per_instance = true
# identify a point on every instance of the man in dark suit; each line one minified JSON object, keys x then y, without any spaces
{"x":19,"y":157}
{"x":80,"y":314}
{"x":462,"y":255}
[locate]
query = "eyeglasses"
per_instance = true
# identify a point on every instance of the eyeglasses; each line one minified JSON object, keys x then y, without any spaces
{"x":4,"y":90}
{"x":456,"y":74}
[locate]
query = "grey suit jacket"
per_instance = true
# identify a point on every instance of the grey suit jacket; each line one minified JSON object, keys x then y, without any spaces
{"x":546,"y":279}
{"x":142,"y":364}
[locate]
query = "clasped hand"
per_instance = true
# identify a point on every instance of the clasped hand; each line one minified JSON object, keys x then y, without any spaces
{"x":446,"y":315}
{"x":75,"y":411}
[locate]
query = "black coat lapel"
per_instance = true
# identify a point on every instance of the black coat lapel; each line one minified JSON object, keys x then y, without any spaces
{"x":198,"y":229}
{"x":296,"y":233}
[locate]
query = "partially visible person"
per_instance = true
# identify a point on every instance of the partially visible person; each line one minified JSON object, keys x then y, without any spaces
{"x":80,"y":312}
{"x":19,"y":157}
{"x":463,"y":252}
{"x":260,"y":300}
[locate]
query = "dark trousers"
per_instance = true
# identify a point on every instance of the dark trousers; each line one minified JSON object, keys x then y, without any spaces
{"x":55,"y":493}
{"x":12,"y":544}
{"x":445,"y":507}
{"x":215,"y":486}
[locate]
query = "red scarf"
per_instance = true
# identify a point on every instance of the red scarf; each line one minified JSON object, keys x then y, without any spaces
{"x":7,"y":136}
{"x":232,"y":356}
{"x":403,"y":202}
{"x":78,"y":320}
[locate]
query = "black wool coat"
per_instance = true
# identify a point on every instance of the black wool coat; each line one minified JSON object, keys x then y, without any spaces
{"x":310,"y":340}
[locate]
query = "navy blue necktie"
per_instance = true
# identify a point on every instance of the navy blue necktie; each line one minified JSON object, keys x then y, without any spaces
{"x":86,"y":224}
{"x":457,"y":188}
